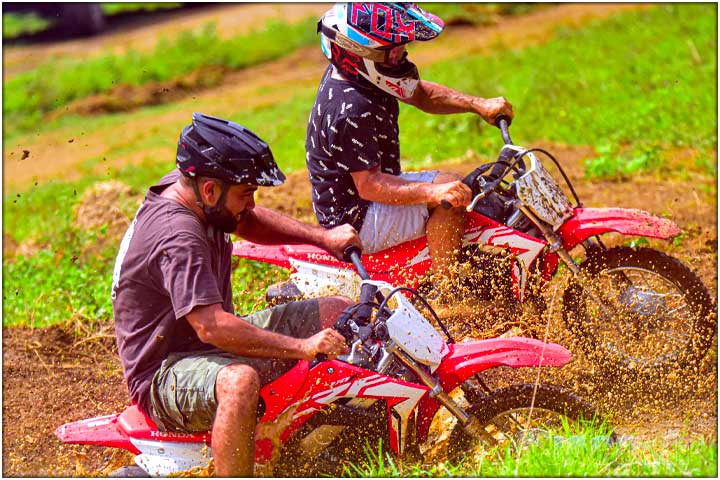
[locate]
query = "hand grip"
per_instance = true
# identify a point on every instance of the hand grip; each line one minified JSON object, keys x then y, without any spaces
{"x":352,"y":255}
{"x":351,"y":252}
{"x":320,"y":357}
{"x":503,"y":123}
{"x":445,"y":204}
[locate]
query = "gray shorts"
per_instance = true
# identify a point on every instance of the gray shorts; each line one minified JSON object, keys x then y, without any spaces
{"x":182,"y":392}
{"x":387,"y":225}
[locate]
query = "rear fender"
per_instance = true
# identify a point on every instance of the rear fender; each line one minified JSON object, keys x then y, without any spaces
{"x":274,"y":254}
{"x":468,"y":358}
{"x":103,"y":431}
{"x":588,"y":222}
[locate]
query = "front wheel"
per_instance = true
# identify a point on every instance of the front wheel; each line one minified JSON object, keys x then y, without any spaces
{"x":512,"y":417}
{"x":646,"y":312}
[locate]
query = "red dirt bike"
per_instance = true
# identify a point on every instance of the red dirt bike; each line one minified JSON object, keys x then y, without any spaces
{"x":390,"y":388}
{"x":633,"y":308}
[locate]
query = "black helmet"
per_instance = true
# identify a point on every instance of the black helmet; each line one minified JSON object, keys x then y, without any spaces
{"x":217,"y":148}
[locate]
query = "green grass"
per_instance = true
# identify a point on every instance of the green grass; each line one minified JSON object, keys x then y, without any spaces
{"x":583,"y":87}
{"x":110,"y":9}
{"x":17,"y":24}
{"x":610,"y":85}
{"x":476,"y":13}
{"x":30,"y":95}
{"x":585,"y":455}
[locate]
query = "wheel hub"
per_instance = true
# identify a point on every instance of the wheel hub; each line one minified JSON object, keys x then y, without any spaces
{"x":643,"y":303}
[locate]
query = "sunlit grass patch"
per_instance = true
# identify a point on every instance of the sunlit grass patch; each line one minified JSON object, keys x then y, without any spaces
{"x":589,"y":454}
{"x":30,"y":95}
{"x":17,"y":24}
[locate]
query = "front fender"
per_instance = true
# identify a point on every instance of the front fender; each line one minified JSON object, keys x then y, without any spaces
{"x":587,"y":222}
{"x":468,"y":358}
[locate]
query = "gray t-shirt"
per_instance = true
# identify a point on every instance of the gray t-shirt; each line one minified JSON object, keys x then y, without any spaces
{"x":169,"y":262}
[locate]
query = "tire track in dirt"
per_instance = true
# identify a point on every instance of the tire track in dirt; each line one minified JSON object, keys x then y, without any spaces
{"x":54,"y":154}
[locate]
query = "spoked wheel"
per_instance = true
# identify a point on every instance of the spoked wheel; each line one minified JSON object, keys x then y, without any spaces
{"x":512,"y":416}
{"x":648,"y":311}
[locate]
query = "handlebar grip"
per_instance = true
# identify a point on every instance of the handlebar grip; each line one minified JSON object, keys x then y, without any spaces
{"x":503,"y":123}
{"x":350,"y":252}
{"x":445,"y":204}
{"x":352,"y":255}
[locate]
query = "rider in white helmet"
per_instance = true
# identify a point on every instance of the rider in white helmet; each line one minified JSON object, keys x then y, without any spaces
{"x":352,"y":143}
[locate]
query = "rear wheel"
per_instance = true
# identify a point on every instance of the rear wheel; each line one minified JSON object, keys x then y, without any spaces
{"x":652,"y":311}
{"x":511,"y":416}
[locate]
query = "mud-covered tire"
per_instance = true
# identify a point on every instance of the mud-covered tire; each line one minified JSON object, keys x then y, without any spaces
{"x":547,"y":407}
{"x":701,"y":324}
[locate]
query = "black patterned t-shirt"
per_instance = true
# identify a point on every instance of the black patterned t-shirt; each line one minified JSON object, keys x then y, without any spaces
{"x":349,"y":130}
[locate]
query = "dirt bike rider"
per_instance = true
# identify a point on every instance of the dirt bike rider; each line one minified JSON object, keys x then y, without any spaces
{"x":189,"y":361}
{"x":352,"y":142}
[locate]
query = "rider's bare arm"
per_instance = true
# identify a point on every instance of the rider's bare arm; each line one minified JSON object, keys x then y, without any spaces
{"x":232,"y":334}
{"x":376,"y":186}
{"x":438,"y":99}
{"x":266,"y":226}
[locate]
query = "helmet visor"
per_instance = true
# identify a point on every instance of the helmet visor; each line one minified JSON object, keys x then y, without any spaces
{"x":423,"y":25}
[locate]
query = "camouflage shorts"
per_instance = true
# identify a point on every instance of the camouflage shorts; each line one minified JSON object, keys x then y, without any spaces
{"x":182,"y":392}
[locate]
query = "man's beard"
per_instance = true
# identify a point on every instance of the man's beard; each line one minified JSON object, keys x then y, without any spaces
{"x":222,"y":219}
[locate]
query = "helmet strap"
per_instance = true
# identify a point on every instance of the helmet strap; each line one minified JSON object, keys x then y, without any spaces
{"x":224,"y":187}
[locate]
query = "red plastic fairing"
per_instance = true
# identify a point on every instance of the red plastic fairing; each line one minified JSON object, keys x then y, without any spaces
{"x":274,"y":254}
{"x":138,"y":425}
{"x":587,"y":222}
{"x":467,"y":359}
{"x":96,"y":431}
{"x":406,"y":260}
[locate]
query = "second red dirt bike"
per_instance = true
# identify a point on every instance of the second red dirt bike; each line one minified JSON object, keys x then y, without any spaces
{"x":634,"y":308}
{"x":390,"y":388}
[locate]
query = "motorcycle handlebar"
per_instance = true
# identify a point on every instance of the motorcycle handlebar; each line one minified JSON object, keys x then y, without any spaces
{"x":352,"y":255}
{"x":503,"y":123}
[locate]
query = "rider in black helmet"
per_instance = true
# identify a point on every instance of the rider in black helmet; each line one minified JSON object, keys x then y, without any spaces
{"x":226,"y":151}
{"x":190,"y":363}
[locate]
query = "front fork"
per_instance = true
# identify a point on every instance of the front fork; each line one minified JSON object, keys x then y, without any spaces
{"x":556,"y":246}
{"x":469,"y":422}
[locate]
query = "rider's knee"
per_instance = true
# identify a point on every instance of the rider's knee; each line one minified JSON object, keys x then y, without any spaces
{"x":237,"y":381}
{"x":447,"y":177}
{"x":331,"y":307}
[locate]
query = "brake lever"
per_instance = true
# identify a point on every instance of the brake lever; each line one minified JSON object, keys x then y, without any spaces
{"x":485,"y":191}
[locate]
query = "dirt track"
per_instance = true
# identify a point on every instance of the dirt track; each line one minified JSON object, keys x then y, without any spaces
{"x":49,"y":378}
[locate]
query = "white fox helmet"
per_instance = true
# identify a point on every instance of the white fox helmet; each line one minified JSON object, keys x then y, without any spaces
{"x":366,"y":42}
